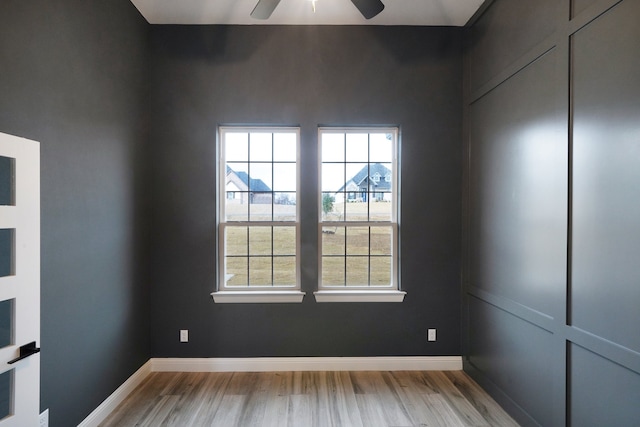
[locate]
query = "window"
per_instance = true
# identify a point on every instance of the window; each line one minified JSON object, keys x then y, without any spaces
{"x":258,"y":229}
{"x":358,"y":230}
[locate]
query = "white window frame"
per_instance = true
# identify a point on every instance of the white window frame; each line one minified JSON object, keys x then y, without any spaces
{"x":391,"y":293}
{"x":253,"y":294}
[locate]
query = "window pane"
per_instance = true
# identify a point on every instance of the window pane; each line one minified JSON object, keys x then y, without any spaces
{"x":284,"y":208}
{"x":261,"y":207}
{"x":358,"y":188}
{"x":260,"y":147}
{"x":236,"y":176}
{"x":358,"y":210}
{"x":260,"y":185}
{"x":284,"y":147}
{"x":357,"y":271}
{"x":260,"y":273}
{"x":379,"y":208}
{"x":241,"y":169}
{"x":332,"y":206}
{"x":6,"y":323}
{"x":7,"y":179}
{"x":6,"y":394}
{"x":284,"y":271}
{"x":380,"y":271}
{"x":333,"y":271}
{"x":357,"y":241}
{"x":357,"y":147}
{"x":333,"y":240}
{"x":332,"y":147}
{"x":236,"y":240}
{"x":237,"y":206}
{"x":380,"y":176}
{"x":7,"y":247}
{"x":237,"y":146}
{"x":284,"y":177}
{"x":333,"y":177}
{"x":357,"y":173}
{"x":381,"y":148}
{"x":236,"y":271}
{"x":261,"y":177}
{"x":284,"y":240}
{"x":260,"y":241}
{"x":237,"y":196}
{"x":381,"y":240}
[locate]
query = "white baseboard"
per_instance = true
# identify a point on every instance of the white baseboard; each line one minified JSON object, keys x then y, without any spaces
{"x":110,"y":403}
{"x":280,"y":364}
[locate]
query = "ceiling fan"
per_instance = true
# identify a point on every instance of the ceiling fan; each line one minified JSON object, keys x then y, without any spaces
{"x":368,"y":8}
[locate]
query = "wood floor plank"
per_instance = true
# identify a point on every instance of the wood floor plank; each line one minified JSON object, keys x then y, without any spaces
{"x":185,"y":405}
{"x":229,"y":412}
{"x":441,"y":413}
{"x":300,"y":413}
{"x":324,"y":413}
{"x":285,"y":383}
{"x":213,"y":390}
{"x":344,"y":400}
{"x":300,"y":382}
{"x":194,"y":390}
{"x":276,"y":411}
{"x":463,"y":408}
{"x":242,"y":383}
{"x":253,"y":411}
{"x":159,"y":412}
{"x":309,"y":399}
{"x":373,"y":382}
{"x":146,"y":394}
{"x":371,"y":411}
{"x":487,"y":407}
{"x":411,"y":398}
{"x":416,"y":381}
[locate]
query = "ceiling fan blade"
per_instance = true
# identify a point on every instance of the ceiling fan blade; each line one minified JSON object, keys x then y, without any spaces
{"x":369,"y":8}
{"x":264,"y":9}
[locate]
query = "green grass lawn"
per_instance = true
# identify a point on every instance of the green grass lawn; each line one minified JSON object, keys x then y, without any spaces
{"x":265,"y":255}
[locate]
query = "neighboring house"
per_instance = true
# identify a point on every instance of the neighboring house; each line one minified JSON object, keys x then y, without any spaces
{"x":373,"y":180}
{"x":242,"y":188}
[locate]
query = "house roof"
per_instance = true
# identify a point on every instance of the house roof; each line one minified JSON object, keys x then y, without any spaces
{"x":371,"y":170}
{"x":253,"y":184}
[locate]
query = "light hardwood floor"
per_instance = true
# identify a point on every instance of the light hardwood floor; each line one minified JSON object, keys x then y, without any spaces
{"x":301,"y":399}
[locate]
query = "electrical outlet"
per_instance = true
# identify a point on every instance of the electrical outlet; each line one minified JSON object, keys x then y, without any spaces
{"x":431,"y":334}
{"x":44,"y":418}
{"x":184,"y":335}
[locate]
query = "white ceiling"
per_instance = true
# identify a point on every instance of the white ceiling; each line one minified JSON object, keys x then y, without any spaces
{"x":299,"y":12}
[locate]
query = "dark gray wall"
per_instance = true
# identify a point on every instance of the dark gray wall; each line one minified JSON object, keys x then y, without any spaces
{"x":550,"y":278}
{"x":206,"y":76}
{"x":72,"y":76}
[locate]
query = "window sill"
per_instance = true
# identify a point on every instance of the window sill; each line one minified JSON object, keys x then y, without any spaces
{"x":359,"y":296}
{"x":257,"y":297}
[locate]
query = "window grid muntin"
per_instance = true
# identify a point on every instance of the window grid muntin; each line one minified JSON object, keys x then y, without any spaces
{"x":250,"y":194}
{"x":249,"y":222}
{"x":392,"y":256}
{"x":248,"y":254}
{"x":343,"y":221}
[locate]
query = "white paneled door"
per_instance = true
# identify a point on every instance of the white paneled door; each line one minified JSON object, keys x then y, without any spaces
{"x":19,"y":281}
